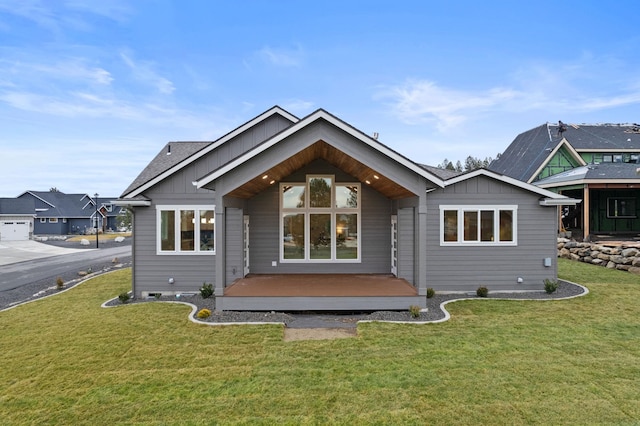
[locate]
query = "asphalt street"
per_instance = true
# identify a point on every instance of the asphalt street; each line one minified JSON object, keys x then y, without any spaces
{"x":15,"y":275}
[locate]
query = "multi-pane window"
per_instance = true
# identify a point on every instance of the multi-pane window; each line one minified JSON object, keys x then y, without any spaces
{"x":478,"y":225}
{"x":621,"y":207}
{"x":320,"y":221}
{"x":186,"y":229}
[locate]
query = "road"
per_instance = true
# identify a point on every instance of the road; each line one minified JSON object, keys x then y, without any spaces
{"x":19,"y":274}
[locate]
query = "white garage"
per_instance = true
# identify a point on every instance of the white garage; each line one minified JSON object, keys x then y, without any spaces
{"x":14,"y":230}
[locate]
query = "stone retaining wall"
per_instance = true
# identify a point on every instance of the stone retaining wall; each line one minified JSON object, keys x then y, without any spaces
{"x":622,"y":256}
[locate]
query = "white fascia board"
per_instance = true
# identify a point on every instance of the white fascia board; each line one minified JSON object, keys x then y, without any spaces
{"x":131,"y":203}
{"x":211,"y":147}
{"x":553,"y":152}
{"x":320,"y":114}
{"x":588,"y":182}
{"x":506,"y":179}
{"x":632,"y":150}
{"x":560,"y":202}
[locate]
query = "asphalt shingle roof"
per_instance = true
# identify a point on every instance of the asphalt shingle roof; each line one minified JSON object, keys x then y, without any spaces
{"x":529,"y":150}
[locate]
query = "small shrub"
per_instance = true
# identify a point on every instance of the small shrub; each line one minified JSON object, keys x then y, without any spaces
{"x":206,"y":290}
{"x":550,"y":285}
{"x":59,"y":283}
{"x":124,"y":297}
{"x":482,"y":291}
{"x":414,"y":311}
{"x":203,"y":313}
{"x":430,"y":293}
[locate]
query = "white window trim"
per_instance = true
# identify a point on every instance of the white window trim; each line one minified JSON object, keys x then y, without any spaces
{"x":307,"y":210}
{"x":43,"y":220}
{"x":176,"y":209}
{"x":496,"y":224}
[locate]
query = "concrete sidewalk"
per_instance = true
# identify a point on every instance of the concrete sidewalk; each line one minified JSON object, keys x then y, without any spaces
{"x":20,"y":251}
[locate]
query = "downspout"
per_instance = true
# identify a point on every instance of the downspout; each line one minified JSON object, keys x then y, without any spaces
{"x":133,"y":251}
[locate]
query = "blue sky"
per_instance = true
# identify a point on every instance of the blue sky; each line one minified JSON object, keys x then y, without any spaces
{"x":91,"y":90}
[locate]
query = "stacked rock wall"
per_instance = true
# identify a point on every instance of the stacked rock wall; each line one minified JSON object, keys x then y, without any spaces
{"x":622,"y":256}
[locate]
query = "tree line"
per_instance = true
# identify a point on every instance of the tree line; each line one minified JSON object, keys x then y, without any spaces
{"x":471,"y":163}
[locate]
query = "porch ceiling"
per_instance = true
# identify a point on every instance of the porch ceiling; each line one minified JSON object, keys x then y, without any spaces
{"x":333,"y":156}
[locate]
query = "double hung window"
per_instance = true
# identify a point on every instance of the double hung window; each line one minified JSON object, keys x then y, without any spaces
{"x":478,"y":225}
{"x":185,"y":229}
{"x":320,"y":221}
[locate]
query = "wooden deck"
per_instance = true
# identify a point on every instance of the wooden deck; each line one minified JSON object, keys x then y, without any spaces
{"x":321,"y":292}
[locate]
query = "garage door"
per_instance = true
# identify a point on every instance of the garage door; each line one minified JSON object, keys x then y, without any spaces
{"x":14,"y":231}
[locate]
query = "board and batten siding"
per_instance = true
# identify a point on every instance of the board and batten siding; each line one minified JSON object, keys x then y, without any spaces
{"x":498,"y":268}
{"x":375,"y":232}
{"x":406,"y":243}
{"x":233,"y":245}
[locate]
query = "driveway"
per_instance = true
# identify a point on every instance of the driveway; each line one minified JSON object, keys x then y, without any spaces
{"x":20,"y":251}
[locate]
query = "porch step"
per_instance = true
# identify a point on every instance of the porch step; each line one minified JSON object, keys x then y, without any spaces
{"x":319,"y":303}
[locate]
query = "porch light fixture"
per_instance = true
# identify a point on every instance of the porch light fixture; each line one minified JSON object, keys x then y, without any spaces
{"x":376,"y":177}
{"x":265,"y":176}
{"x":272,"y":182}
{"x":368,"y":182}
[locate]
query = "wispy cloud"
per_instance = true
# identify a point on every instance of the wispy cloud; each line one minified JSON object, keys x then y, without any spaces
{"x":144,"y":71}
{"x":282,"y":57}
{"x":563,"y":88}
{"x":298,"y":106}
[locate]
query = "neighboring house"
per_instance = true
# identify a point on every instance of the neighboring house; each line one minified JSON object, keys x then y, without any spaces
{"x":282,"y":195}
{"x":16,"y":219}
{"x":595,"y":163}
{"x":58,"y":213}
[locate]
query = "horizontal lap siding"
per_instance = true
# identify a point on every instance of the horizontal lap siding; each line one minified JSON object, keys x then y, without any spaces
{"x":466,"y":268}
{"x":152,"y":271}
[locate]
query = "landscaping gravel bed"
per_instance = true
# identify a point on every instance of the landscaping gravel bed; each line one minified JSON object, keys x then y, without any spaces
{"x":349,"y":319}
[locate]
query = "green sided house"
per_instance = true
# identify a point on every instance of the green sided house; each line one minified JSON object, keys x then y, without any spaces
{"x":598,"y":164}
{"x":297,"y":214}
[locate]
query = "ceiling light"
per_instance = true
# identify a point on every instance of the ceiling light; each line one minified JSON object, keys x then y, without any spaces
{"x":376,"y":177}
{"x":367,"y":182}
{"x":265,"y":176}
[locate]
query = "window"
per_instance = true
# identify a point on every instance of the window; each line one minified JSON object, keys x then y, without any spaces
{"x":43,"y":220}
{"x":185,"y":229}
{"x":621,"y":208}
{"x":53,"y":220}
{"x":320,"y":221}
{"x":478,"y":225}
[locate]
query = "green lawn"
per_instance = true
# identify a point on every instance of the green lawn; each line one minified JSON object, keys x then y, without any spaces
{"x":65,"y":360}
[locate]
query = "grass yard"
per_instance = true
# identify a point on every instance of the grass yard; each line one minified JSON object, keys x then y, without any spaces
{"x":65,"y":360}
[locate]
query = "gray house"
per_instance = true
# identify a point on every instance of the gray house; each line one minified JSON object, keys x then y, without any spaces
{"x":62,"y":214}
{"x":279,"y":210}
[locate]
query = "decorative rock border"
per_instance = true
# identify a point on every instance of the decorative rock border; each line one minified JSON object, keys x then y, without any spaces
{"x":615,"y":255}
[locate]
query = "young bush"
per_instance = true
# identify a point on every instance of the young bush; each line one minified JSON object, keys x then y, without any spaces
{"x":203,"y":313}
{"x":550,"y":285}
{"x":414,"y":311}
{"x":124,"y":297}
{"x":482,"y":291}
{"x":59,"y":283}
{"x":206,"y":290}
{"x":430,"y":293}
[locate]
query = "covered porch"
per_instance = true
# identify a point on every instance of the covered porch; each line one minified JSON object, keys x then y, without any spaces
{"x":319,"y":292}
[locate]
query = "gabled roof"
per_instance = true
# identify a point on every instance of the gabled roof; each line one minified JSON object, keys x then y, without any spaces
{"x":511,"y":181}
{"x":443,"y":174}
{"x":17,"y":206}
{"x":593,"y":173}
{"x":61,"y":204}
{"x":530,"y":151}
{"x":319,"y":114}
{"x":177,"y":155}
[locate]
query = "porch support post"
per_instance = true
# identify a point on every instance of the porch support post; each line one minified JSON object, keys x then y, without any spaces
{"x":421,"y":246}
{"x":220,"y":249}
{"x":585,"y":211}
